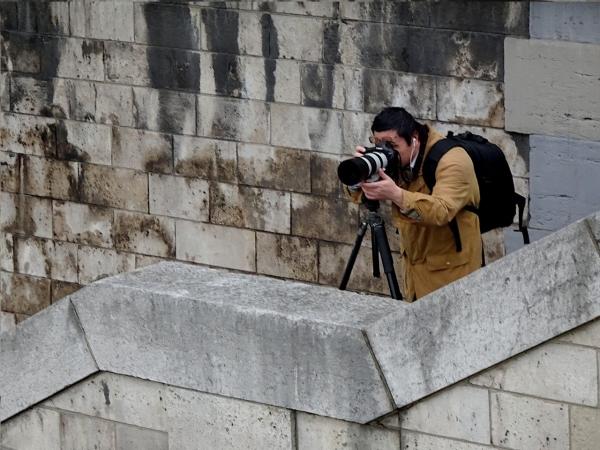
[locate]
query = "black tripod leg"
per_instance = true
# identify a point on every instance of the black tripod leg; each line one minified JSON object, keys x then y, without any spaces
{"x":359,"y":237}
{"x":386,"y":258}
{"x":375,"y":257}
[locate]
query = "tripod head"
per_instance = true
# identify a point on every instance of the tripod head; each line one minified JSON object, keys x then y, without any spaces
{"x":371,"y":205}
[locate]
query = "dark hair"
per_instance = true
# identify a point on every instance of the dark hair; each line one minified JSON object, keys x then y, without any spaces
{"x":395,"y":118}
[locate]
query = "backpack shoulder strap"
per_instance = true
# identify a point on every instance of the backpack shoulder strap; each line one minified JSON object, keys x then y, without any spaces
{"x":439,"y":149}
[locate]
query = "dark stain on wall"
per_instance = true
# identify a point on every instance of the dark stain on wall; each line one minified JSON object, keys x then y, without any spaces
{"x":168,"y":68}
{"x":8,"y":16}
{"x":222,"y":30}
{"x":226,"y":73}
{"x":170,"y":26}
{"x":270,"y":50}
{"x":50,"y":54}
{"x":317,"y":85}
{"x":331,"y":43}
{"x":66,"y":150}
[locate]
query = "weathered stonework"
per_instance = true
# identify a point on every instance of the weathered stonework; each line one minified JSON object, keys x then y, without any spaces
{"x":205,"y":158}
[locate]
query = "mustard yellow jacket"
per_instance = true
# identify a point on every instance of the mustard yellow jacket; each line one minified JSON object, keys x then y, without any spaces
{"x":429,"y":255}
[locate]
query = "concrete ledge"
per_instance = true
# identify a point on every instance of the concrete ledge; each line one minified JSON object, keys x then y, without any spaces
{"x":514,"y":304}
{"x":47,"y":353}
{"x":303,"y":347}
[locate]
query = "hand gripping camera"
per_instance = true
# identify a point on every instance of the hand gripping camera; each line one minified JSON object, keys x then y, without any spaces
{"x":364,"y":168}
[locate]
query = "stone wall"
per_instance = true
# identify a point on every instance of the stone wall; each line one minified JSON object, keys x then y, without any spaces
{"x":546,"y":398}
{"x":136,"y":131}
{"x":553,"y":94}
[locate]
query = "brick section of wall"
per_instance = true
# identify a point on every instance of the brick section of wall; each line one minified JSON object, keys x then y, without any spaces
{"x":137,"y":131}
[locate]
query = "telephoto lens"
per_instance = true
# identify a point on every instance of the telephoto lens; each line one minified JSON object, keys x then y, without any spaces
{"x":364,"y":168}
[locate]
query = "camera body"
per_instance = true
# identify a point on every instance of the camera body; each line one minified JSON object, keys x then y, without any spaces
{"x":364,"y":168}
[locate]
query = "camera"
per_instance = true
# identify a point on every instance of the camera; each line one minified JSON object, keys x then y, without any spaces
{"x":364,"y":168}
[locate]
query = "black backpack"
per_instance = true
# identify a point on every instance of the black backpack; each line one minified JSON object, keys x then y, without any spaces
{"x":498,"y":199}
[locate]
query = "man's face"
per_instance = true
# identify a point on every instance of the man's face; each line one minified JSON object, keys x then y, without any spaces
{"x":398,"y":144}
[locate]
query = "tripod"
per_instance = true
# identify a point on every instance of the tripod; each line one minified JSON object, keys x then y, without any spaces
{"x":380,"y":246}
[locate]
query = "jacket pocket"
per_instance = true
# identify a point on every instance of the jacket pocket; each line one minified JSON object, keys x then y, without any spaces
{"x":441,"y":262}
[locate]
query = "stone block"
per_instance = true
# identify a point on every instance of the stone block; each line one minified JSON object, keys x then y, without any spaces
{"x":323,"y":433}
{"x":166,"y":111}
{"x":225,"y":422}
{"x":250,"y":77}
{"x":493,"y":245}
{"x":559,"y":294}
{"x":205,"y":158}
{"x":551,"y":88}
{"x":115,"y":187}
{"x":171,"y":25}
{"x":287,"y":257}
{"x":102,"y":20}
{"x":82,"y":224}
{"x":247,"y":207}
{"x":21,"y":53}
{"x":274,"y":167}
{"x":33,"y":257}
{"x":22,"y":214}
{"x":289,"y":38}
{"x":216,"y":245}
{"x":329,"y":86}
{"x":415,"y":50}
{"x":28,"y":135}
{"x":313,"y":9}
{"x":563,"y":372}
{"x":74,"y":99}
{"x":117,"y":398}
{"x":510,"y":18}
{"x":524,"y":422}
{"x":45,"y":18}
{"x":44,"y":258}
{"x":31,"y":96}
{"x":415,"y":93}
{"x":6,"y":252}
{"x":85,"y":142}
{"x":33,"y":429}
{"x":471,"y":102}
{"x":50,"y":178}
{"x":575,"y":161}
{"x":132,"y":438}
{"x":324,"y":218}
{"x":114,"y":104}
{"x":142,"y":150}
{"x":337,"y":377}
{"x":52,"y":340}
{"x":460,"y":412}
{"x":61,"y":289}
{"x":186,"y":198}
{"x":144,"y":233}
{"x":79,"y":432}
{"x":157,"y":67}
{"x":585,"y":427}
{"x":588,"y":335}
{"x":95,"y":263}
{"x":418,"y":441}
{"x":573,"y":21}
{"x":72,"y":58}
{"x":307,"y":128}
{"x":333,"y":259}
{"x":240,"y":120}
{"x":323,"y":174}
{"x":356,"y":131}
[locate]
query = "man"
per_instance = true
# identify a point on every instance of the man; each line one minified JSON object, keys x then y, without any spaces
{"x":429,"y":252}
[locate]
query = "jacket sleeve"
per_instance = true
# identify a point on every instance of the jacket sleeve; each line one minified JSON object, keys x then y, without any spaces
{"x":455,"y":187}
